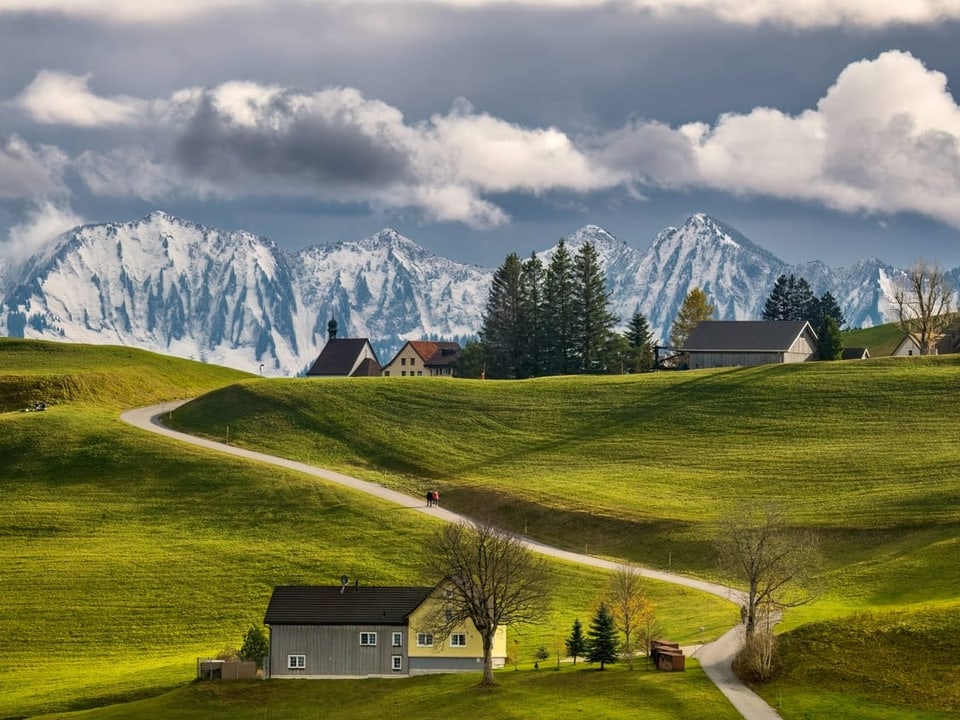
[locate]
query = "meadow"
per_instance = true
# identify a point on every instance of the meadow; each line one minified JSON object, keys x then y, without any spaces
{"x":642,"y":468}
{"x":125,"y":557}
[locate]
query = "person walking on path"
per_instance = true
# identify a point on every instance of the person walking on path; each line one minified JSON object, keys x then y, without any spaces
{"x":429,"y":498}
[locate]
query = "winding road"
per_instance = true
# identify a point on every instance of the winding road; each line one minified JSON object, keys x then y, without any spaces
{"x":715,"y":657}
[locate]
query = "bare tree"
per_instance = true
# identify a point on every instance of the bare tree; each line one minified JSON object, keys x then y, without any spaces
{"x":631,"y":609}
{"x":493,"y":581}
{"x":924,"y":300}
{"x":779,"y":564}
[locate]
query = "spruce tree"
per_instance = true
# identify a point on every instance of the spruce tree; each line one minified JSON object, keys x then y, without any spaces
{"x":640,"y":339}
{"x":502,"y":329}
{"x":559,"y":318}
{"x":828,"y":307}
{"x":532,"y":277}
{"x":831,"y":342}
{"x":576,"y":643}
{"x":602,"y":642}
{"x":594,"y":321}
{"x":776,"y":305}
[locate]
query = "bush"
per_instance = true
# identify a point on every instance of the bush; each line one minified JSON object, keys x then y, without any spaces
{"x":255,"y":645}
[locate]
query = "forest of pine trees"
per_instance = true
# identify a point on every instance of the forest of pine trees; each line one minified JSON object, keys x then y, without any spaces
{"x":554,"y":320}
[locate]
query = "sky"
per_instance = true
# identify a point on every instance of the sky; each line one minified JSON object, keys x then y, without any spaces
{"x":820,"y":129}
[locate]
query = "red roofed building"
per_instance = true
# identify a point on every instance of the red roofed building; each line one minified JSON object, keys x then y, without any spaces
{"x":422,"y":358}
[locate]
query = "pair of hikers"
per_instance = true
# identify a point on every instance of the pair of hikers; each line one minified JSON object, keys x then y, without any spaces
{"x":433,"y":498}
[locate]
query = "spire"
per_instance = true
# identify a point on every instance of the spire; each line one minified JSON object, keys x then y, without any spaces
{"x":332,"y":329}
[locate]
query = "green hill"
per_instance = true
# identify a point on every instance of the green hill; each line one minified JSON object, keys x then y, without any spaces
{"x":126,"y":556}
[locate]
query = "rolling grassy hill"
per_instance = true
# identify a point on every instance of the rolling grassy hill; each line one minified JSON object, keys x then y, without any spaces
{"x":643,"y":467}
{"x":126,"y":556}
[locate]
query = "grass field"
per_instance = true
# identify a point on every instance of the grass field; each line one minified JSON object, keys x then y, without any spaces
{"x":642,"y":467}
{"x":126,"y":556}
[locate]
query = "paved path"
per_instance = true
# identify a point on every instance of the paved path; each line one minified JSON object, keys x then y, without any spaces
{"x":715,"y":657}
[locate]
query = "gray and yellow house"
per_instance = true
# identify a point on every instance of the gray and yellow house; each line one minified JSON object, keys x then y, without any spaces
{"x":359,"y":631}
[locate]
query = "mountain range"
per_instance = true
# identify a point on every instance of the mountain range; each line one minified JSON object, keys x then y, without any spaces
{"x":165,"y":284}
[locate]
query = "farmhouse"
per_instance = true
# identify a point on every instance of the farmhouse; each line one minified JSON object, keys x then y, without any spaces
{"x":417,"y":358}
{"x":909,"y":346}
{"x":720,"y":343}
{"x":359,"y":631}
{"x":345,"y":357}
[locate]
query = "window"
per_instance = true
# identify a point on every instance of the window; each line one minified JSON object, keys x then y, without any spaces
{"x":419,"y":372}
{"x":447,"y":614}
{"x":296,"y":662}
{"x":386,"y":373}
{"x":424,"y":640}
{"x":368,"y":639}
{"x":396,"y":662}
{"x":458,"y":640}
{"x":397,"y":639}
{"x":403,"y":373}
{"x":403,"y":361}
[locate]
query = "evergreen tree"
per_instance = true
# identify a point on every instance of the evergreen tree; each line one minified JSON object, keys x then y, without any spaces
{"x":502,"y":329}
{"x":828,"y":307}
{"x":255,"y":645}
{"x":695,"y":309}
{"x":594,"y":321}
{"x":831,"y":342}
{"x":472,"y":362}
{"x":640,"y":340}
{"x":559,"y":318}
{"x":576,"y":643}
{"x":532,"y":278}
{"x":602,"y":642}
{"x":792,"y":299}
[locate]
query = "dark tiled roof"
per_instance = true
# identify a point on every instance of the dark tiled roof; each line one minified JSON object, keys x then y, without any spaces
{"x":350,"y":605}
{"x":854,"y":353}
{"x":338,"y":356}
{"x":368,"y":367}
{"x":745,"y":335}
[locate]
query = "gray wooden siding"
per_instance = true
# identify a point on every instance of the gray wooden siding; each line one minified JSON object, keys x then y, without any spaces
{"x":422,"y":665}
{"x":335,"y":650}
{"x":701,"y":360}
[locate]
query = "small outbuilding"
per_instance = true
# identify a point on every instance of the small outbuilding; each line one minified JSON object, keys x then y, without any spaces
{"x":732,"y":343}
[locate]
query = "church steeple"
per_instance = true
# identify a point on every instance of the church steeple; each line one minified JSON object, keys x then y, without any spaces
{"x":332,"y":329}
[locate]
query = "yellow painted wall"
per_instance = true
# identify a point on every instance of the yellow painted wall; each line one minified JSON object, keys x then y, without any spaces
{"x":473,"y":648}
{"x":406,"y":361}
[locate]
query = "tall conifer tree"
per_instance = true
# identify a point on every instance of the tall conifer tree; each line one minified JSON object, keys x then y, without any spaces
{"x":559,"y":315}
{"x":502,"y":329}
{"x":602,"y":642}
{"x":594,"y":321}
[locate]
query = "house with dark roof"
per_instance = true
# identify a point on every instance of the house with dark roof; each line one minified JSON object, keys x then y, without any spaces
{"x":345,"y":357}
{"x":945,"y":344}
{"x":360,"y":631}
{"x":731,"y":343}
{"x":424,"y":358}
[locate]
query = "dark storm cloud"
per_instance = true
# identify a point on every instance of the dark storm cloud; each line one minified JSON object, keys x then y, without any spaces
{"x":307,"y":147}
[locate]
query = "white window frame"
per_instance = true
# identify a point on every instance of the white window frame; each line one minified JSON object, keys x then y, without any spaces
{"x":422,"y":639}
{"x":458,"y":640}
{"x":396,"y":663}
{"x":397,"y":639}
{"x":368,"y":639}
{"x":296,"y":662}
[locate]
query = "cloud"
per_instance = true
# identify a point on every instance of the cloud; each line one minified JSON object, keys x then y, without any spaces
{"x":884,"y":139}
{"x":27,"y":171}
{"x":44,"y":223}
{"x":64,"y":99}
{"x":795,"y":13}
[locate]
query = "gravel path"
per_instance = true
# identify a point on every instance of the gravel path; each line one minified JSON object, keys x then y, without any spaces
{"x":715,"y":657}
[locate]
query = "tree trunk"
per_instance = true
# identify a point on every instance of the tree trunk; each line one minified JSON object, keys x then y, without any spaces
{"x":488,"y":658}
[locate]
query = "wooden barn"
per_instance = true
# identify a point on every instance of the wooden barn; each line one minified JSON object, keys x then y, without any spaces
{"x":733,"y":343}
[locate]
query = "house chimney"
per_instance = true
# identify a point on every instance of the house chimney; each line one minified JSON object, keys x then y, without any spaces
{"x":332,"y":329}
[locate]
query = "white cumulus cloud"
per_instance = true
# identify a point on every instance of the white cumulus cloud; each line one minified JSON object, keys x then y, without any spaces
{"x":64,"y":99}
{"x":43,"y":223}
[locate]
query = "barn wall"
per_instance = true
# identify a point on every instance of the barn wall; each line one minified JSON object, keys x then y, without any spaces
{"x":335,"y":650}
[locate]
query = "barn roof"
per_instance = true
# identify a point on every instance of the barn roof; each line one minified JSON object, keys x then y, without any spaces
{"x":745,"y":335}
{"x":347,"y":605}
{"x":339,"y":356}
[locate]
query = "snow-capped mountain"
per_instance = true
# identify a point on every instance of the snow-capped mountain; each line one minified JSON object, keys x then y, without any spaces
{"x":236,"y":299}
